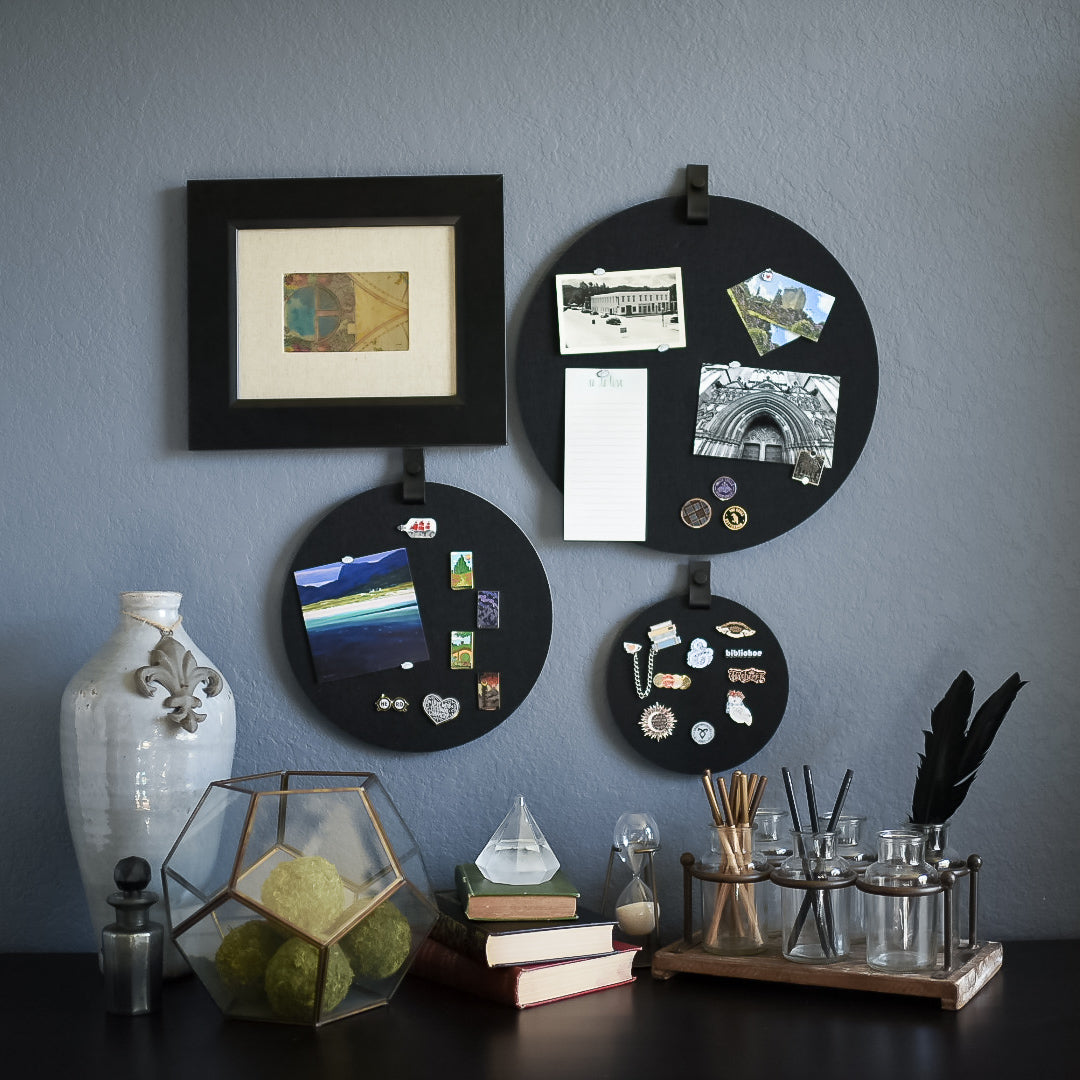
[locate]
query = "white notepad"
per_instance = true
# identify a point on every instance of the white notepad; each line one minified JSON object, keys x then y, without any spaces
{"x":604,"y":459}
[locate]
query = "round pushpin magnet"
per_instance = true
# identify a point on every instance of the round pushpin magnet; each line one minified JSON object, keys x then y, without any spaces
{"x":735,"y":517}
{"x":724,"y":488}
{"x":696,"y":513}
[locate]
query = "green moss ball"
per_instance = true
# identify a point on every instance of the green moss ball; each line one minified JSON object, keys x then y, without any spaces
{"x":379,"y":945}
{"x":291,"y":976}
{"x":306,"y":892}
{"x":243,"y":954}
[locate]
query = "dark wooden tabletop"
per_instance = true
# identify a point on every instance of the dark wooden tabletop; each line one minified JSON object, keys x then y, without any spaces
{"x":52,"y":1021}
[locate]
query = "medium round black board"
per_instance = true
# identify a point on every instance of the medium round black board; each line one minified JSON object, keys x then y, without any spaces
{"x":741,"y":239}
{"x":706,"y":698}
{"x":503,"y":559}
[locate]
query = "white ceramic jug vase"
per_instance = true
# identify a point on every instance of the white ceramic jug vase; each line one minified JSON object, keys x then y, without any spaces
{"x":145,"y":726}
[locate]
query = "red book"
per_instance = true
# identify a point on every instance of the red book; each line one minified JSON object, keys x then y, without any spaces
{"x":525,"y":985}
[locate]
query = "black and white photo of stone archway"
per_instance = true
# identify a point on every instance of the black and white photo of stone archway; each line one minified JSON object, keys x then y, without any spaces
{"x":759,"y":414}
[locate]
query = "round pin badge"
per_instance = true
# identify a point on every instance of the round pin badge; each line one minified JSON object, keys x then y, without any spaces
{"x":735,"y":517}
{"x":703,"y":733}
{"x":724,"y":488}
{"x":696,"y":513}
{"x":657,"y":722}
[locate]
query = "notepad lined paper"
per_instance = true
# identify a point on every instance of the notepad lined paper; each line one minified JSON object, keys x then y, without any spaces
{"x":604,"y":459}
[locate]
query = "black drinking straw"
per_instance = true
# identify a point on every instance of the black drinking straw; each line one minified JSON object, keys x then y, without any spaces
{"x":796,"y":820}
{"x":811,"y":799}
{"x":822,"y":900}
{"x":841,"y":796}
{"x":834,"y":820}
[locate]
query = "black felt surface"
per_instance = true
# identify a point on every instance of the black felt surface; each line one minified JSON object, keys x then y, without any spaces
{"x":740,"y":240}
{"x":706,"y":697}
{"x":503,"y":559}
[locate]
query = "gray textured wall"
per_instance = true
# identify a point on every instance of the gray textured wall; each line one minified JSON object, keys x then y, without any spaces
{"x":932,"y":148}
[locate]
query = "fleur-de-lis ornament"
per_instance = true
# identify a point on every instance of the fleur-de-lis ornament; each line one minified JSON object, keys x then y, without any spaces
{"x":176,"y":669}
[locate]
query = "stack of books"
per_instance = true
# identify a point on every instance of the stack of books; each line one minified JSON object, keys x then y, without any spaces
{"x":522,"y":945}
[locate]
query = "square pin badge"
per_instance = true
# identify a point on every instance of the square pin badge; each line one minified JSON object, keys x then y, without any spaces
{"x":461,"y":570}
{"x":487,"y":609}
{"x":487,"y":691}
{"x":461,"y":650}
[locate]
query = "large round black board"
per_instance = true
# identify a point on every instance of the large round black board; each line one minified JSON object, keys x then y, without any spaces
{"x":706,"y":698}
{"x":503,"y":559}
{"x":740,"y":239}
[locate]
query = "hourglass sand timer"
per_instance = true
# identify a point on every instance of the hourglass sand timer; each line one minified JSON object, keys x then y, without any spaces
{"x":636,"y":838}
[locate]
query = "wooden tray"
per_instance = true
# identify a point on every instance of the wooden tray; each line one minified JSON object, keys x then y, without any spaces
{"x":954,"y":989}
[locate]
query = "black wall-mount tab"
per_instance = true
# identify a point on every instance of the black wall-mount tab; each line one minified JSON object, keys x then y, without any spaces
{"x":412,"y":480}
{"x":700,"y":582}
{"x":697,"y":194}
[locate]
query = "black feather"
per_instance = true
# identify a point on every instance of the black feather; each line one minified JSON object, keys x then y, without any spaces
{"x":953,"y":752}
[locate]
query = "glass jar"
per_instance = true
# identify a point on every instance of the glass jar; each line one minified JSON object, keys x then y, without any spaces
{"x":734,"y":880}
{"x":901,"y":895}
{"x":815,"y":900}
{"x":772,"y":840}
{"x":858,"y":854}
{"x":941,"y":855}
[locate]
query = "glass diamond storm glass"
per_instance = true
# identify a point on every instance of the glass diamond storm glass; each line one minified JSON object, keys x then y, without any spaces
{"x":517,"y":853}
{"x":314,"y":904}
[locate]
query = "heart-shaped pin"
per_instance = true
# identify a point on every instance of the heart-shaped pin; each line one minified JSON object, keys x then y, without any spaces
{"x":440,"y":709}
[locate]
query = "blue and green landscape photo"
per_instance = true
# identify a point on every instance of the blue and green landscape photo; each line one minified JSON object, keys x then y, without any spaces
{"x":361,"y":615}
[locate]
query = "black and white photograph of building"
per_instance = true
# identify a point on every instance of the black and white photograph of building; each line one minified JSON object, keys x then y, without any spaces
{"x":758,"y":414}
{"x":620,"y":311}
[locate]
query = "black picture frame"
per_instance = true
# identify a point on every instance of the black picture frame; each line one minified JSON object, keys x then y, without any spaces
{"x":473,"y":413}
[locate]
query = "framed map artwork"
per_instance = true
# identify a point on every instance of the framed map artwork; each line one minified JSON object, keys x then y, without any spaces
{"x":349,"y":311}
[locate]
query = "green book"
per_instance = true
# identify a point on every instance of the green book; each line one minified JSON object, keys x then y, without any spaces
{"x":483,"y":899}
{"x":498,"y":943}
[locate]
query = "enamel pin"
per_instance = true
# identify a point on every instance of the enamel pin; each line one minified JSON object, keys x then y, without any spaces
{"x":461,"y":650}
{"x":671,"y":682}
{"x":633,"y":648}
{"x":384,"y":703}
{"x":724,"y":488}
{"x":419,"y":528}
{"x":440,"y":709}
{"x":487,"y":692}
{"x":461,"y":570}
{"x":735,"y":629}
{"x":735,"y":517}
{"x":487,"y":609}
{"x":700,"y":655}
{"x":703,"y":733}
{"x":736,"y":709}
{"x":663,"y":635}
{"x":657,"y":722}
{"x":746,"y":675}
{"x":696,"y":513}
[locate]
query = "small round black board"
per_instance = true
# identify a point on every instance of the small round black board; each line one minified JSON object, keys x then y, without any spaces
{"x":752,"y":665}
{"x":503,"y":560}
{"x":740,"y":240}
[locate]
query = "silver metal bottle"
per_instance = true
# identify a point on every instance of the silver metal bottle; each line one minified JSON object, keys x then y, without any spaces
{"x":132,"y":947}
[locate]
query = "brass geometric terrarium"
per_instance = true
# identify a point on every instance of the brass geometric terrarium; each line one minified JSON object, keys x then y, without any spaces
{"x":298,"y":897}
